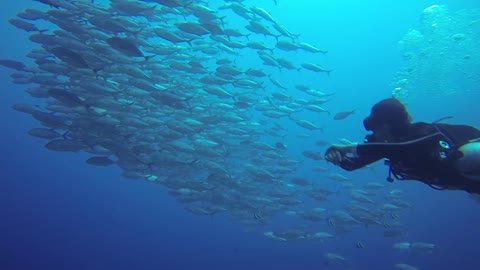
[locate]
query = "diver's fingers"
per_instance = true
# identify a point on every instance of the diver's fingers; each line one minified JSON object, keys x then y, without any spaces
{"x":338,"y":157}
{"x":331,"y":151}
{"x":334,"y":156}
{"x":330,"y":155}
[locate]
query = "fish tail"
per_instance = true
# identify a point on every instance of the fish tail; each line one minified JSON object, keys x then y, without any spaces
{"x":291,"y":118}
{"x":189,"y":107}
{"x":65,"y":135}
{"x":211,"y":214}
{"x":87,"y":107}
{"x":136,"y":32}
{"x":188,"y":99}
{"x":96,"y":70}
{"x":192,"y":162}
{"x":223,"y":22}
{"x":150,"y":165}
{"x":148,"y":57}
{"x":190,"y":41}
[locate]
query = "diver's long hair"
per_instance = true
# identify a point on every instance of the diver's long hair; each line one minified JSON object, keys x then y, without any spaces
{"x":391,"y":112}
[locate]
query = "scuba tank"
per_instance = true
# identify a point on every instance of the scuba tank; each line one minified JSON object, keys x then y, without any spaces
{"x":469,"y":163}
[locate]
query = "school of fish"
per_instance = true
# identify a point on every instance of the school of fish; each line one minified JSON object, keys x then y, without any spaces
{"x":177,"y":93}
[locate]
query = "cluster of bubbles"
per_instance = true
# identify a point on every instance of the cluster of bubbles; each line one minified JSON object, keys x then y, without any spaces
{"x":442,"y":57}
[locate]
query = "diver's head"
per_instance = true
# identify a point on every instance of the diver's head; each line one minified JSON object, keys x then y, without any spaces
{"x":388,"y":116}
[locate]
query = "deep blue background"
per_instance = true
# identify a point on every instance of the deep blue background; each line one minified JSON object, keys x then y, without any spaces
{"x":58,"y":213}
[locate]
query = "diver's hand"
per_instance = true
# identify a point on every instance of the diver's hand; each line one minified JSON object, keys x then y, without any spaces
{"x":337,"y":153}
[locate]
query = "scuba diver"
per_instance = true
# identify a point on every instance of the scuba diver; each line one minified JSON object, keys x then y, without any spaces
{"x":442,"y":156}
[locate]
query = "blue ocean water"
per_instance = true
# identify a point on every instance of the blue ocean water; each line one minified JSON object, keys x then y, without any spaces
{"x":59,"y":213}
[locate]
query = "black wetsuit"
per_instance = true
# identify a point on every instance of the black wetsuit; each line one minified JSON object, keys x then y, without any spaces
{"x":427,"y":153}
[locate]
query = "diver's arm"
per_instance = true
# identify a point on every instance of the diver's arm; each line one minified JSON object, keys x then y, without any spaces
{"x":353,"y":163}
{"x":346,"y":157}
{"x":389,"y":150}
{"x":366,"y":153}
{"x":360,"y":155}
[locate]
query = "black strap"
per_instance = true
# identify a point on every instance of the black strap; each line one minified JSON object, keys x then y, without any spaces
{"x":389,"y":177}
{"x":436,"y":187}
{"x":441,"y":119}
